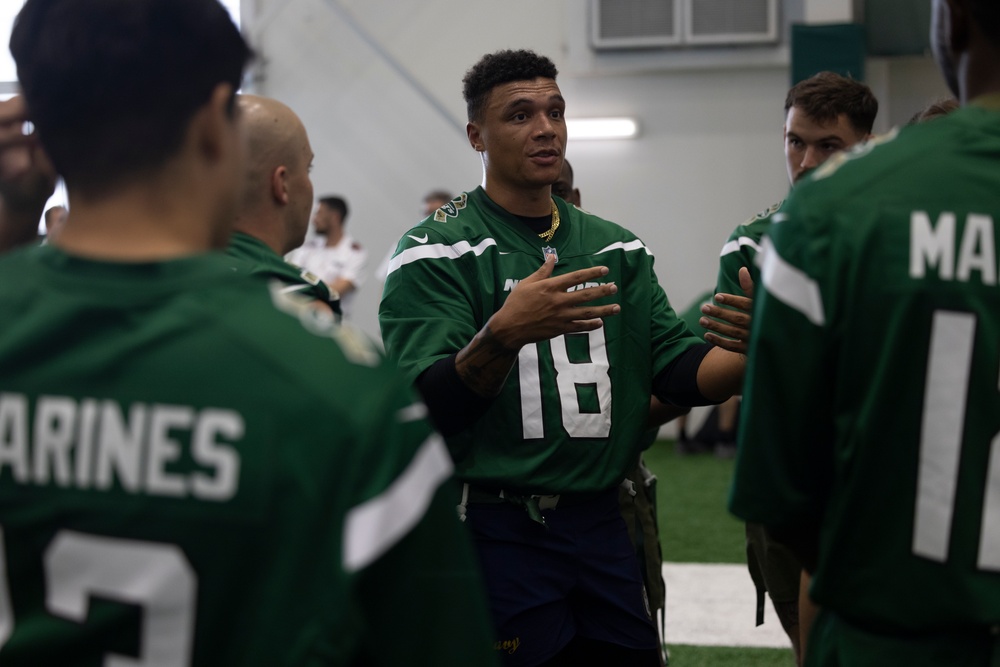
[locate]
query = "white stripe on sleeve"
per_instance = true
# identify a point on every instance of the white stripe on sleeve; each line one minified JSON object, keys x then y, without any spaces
{"x":373,"y":527}
{"x":791,"y":285}
{"x":736,"y":244}
{"x":438,"y":251}
{"x":631,"y":245}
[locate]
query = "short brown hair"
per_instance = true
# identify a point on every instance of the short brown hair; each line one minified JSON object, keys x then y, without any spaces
{"x":824,"y":96}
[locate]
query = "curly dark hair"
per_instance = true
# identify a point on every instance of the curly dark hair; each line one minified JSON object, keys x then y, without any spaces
{"x":824,"y":96}
{"x":498,"y":68}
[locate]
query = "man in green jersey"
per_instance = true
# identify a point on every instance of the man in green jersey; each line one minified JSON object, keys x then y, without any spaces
{"x":869,"y":437}
{"x":637,"y":495}
{"x":273,"y":211}
{"x":824,"y":114}
{"x":188,"y":475}
{"x":537,"y":333}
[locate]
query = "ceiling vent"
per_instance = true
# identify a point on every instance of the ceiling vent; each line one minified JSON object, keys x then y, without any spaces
{"x":624,"y":24}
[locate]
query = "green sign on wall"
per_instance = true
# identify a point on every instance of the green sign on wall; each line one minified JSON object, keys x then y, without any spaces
{"x":837,"y":48}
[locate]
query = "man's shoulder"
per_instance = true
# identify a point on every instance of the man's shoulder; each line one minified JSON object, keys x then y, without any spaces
{"x":291,"y":335}
{"x":594,"y":230}
{"x":746,"y":237}
{"x":269,"y":264}
{"x":303,"y":322}
{"x":756,"y":225}
{"x":464,"y":206}
{"x":887,"y":160}
{"x":463,"y":217}
{"x":452,"y":231}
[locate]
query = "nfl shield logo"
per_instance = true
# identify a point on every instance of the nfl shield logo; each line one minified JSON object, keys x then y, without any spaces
{"x":549,"y":250}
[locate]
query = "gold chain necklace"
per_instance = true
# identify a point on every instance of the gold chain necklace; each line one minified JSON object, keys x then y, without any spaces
{"x":547,"y":235}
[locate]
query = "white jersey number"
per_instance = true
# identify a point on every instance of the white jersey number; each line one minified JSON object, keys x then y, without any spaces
{"x":948,"y":367}
{"x":157,"y":577}
{"x":571,"y":376}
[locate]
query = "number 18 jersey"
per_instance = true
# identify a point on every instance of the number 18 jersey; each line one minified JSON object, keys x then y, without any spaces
{"x":570,"y":414}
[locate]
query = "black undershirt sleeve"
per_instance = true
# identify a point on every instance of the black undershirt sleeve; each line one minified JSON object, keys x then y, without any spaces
{"x":452,"y":404}
{"x":677,"y":384}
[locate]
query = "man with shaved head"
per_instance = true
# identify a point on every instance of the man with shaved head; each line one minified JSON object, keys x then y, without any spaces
{"x":273,"y":211}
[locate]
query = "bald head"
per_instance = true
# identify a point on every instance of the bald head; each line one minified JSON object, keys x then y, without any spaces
{"x":277,"y":193}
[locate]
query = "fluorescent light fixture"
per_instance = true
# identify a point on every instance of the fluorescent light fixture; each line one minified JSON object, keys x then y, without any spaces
{"x":602,"y":128}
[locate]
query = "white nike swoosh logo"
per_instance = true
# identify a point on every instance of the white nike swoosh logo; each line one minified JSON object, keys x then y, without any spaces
{"x":418,"y":239}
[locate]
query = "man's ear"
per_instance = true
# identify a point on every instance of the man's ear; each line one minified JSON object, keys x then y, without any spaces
{"x":475,"y":136}
{"x":279,"y":184}
{"x":212,"y":124}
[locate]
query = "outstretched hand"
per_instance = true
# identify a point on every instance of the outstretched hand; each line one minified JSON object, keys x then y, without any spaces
{"x":733,"y":331}
{"x":541,"y":307}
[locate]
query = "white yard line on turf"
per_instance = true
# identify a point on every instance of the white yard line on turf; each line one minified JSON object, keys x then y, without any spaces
{"x":714,"y":605}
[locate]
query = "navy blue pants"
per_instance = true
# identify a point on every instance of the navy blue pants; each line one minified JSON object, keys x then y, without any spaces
{"x":575,"y":576}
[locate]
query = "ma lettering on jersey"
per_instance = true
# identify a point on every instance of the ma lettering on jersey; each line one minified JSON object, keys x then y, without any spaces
{"x":935,"y":247}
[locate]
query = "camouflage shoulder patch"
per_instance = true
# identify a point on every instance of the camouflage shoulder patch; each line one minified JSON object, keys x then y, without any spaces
{"x":766,"y":213}
{"x":451,"y":209}
{"x":320,"y":321}
{"x":309,"y":277}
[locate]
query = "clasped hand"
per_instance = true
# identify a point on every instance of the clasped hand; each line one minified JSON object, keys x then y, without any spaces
{"x":733,"y":331}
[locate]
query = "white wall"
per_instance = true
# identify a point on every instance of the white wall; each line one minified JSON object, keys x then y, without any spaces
{"x":378,"y":85}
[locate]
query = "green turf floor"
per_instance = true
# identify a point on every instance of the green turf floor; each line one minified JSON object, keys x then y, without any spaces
{"x":695,"y":527}
{"x":691,"y":494}
{"x":720,"y":656}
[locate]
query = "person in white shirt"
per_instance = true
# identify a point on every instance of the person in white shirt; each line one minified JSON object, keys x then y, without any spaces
{"x":333,"y":254}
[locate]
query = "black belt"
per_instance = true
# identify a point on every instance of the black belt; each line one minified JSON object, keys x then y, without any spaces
{"x":533,"y":503}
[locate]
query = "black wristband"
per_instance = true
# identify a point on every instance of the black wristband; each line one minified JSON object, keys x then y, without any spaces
{"x":452,"y":404}
{"x":677,"y":384}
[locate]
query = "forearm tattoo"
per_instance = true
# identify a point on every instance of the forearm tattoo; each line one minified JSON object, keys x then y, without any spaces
{"x":485,"y":363}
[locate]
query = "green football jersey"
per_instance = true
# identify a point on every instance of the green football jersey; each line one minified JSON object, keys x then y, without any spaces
{"x":872,"y":406}
{"x":741,"y":250}
{"x":189,"y":476}
{"x":256,"y":258}
{"x":570,"y":415}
